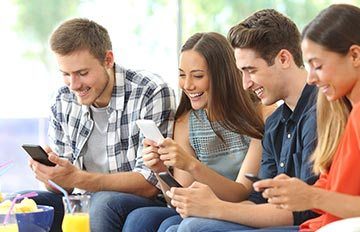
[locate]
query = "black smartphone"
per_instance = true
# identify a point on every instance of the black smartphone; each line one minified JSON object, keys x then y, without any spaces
{"x":169,"y":180}
{"x":252,"y":177}
{"x":38,"y":154}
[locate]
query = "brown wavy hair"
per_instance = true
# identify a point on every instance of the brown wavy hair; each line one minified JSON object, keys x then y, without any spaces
{"x":228,"y":104}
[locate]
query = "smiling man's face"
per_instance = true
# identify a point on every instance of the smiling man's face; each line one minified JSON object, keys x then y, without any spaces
{"x":86,"y":77}
{"x":258,"y":76}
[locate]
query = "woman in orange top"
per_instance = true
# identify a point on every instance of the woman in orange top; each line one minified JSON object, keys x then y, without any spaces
{"x":331,"y":46}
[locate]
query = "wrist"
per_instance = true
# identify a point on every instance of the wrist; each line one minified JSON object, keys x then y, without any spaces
{"x":82,"y":179}
{"x":316,"y":197}
{"x":216,"y":209}
{"x":194,"y":167}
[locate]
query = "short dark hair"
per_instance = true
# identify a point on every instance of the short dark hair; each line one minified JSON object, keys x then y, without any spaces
{"x":267,"y":32}
{"x":78,"y":34}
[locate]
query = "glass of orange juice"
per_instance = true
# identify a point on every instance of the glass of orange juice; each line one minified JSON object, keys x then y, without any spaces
{"x":77,"y":217}
{"x":10,"y":226}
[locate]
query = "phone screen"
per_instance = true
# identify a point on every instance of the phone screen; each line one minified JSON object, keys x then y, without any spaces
{"x":252,"y":177}
{"x":150,"y":130}
{"x":169,"y":180}
{"x":38,"y":154}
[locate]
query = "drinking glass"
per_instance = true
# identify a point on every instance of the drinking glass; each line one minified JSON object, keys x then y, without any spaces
{"x":11,"y":224}
{"x":76,"y":216}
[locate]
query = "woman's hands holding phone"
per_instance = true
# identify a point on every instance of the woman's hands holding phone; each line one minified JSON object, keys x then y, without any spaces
{"x":197,"y":200}
{"x":172,"y":154}
{"x":168,"y":153}
{"x":151,"y":157}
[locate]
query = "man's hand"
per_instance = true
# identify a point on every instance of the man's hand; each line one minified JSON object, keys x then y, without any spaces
{"x":287,"y":193}
{"x":64,"y":173}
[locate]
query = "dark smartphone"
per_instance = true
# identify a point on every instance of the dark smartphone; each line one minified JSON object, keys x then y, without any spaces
{"x":252,"y":177}
{"x":37,"y":153}
{"x":169,"y":179}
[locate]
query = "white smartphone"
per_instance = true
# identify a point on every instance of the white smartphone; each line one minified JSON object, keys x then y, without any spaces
{"x":150,"y":130}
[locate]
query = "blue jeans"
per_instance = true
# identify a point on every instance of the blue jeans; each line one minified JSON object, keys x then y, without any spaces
{"x":108,"y":210}
{"x":205,"y":224}
{"x":171,"y":221}
{"x":148,"y":219}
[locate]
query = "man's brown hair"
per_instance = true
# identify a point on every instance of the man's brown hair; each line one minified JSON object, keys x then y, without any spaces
{"x":81,"y":34}
{"x":267,"y":32}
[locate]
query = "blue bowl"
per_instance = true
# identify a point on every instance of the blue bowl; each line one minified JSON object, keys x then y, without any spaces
{"x":40,"y":221}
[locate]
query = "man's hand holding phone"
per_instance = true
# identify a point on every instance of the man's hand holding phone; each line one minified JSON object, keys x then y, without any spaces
{"x":38,"y":154}
{"x":63,"y":173}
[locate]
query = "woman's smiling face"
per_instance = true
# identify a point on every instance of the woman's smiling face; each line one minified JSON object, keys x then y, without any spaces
{"x":194,"y":78}
{"x":334,"y":74}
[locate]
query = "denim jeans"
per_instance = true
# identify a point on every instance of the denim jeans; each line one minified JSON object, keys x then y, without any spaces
{"x":171,"y":221}
{"x":147,"y":219}
{"x":108,"y":210}
{"x":205,"y":224}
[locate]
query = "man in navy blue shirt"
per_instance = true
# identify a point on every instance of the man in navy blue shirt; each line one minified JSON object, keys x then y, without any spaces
{"x":267,"y":51}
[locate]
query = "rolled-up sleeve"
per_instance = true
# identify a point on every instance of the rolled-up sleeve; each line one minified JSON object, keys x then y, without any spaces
{"x":161,"y":109}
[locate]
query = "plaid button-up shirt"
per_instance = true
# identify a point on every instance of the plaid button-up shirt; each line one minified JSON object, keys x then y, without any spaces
{"x":136,"y":95}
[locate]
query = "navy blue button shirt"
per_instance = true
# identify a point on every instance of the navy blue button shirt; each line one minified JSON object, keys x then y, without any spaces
{"x":288,"y":142}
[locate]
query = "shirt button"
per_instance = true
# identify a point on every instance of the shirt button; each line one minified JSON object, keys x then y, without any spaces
{"x":282,"y":164}
{"x":289,"y":136}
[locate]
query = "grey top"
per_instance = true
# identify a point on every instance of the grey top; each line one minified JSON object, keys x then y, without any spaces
{"x":224,"y":157}
{"x":95,"y":159}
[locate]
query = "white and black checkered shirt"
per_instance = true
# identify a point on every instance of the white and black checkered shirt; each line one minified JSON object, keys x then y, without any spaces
{"x":136,"y":95}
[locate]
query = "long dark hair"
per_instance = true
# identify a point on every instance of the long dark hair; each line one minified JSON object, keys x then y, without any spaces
{"x":336,"y":28}
{"x":228,"y":103}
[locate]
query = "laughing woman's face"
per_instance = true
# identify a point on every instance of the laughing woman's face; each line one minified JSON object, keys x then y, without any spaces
{"x":194,"y":78}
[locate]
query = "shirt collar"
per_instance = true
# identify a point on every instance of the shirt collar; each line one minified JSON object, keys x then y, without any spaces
{"x":306,"y":100}
{"x":118,"y":94}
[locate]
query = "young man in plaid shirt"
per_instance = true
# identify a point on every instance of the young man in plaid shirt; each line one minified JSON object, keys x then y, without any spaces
{"x":96,"y":145}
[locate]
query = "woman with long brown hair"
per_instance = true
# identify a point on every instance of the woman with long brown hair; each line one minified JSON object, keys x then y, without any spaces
{"x":217,"y":131}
